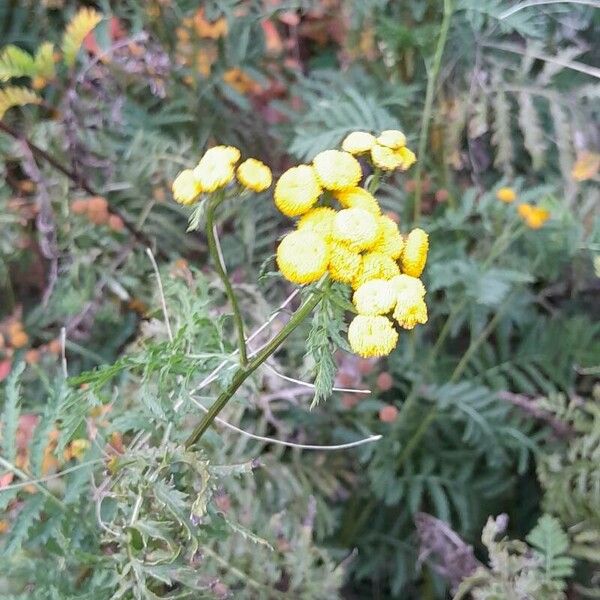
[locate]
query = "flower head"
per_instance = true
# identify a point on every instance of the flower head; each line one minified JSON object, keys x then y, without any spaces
{"x":374,"y":297}
{"x":302,"y":256}
{"x":254,"y":175}
{"x":533,"y":216}
{"x":415,"y":252}
{"x":392,"y":138}
{"x":375,"y":265}
{"x":410,"y":310}
{"x":186,"y":188}
{"x":297,"y":191}
{"x":319,"y":220}
{"x":385,"y":158}
{"x":215,"y":168}
{"x":372,"y":336}
{"x":406,"y":284}
{"x":358,"y":142}
{"x":408,"y":158}
{"x":506,"y":194}
{"x":343,"y":262}
{"x":389,"y":241}
{"x":355,"y":227}
{"x":358,"y":197}
{"x":337,"y":170}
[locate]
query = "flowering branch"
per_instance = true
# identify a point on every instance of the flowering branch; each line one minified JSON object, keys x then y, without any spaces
{"x":213,"y":248}
{"x":245,"y":371}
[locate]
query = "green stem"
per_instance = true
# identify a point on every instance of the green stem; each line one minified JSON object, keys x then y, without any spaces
{"x":428,"y":108}
{"x":244,"y":372}
{"x":213,"y":248}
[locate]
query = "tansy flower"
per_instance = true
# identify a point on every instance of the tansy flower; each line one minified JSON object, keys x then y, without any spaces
{"x":385,"y":158}
{"x":358,"y":142}
{"x":408,"y":158}
{"x":215,"y":168}
{"x":297,"y":191}
{"x":389,"y":241}
{"x":319,"y":220}
{"x":228,"y":154}
{"x":302,"y":256}
{"x":254,"y":175}
{"x":372,"y":336}
{"x":415,"y":251}
{"x":405,"y":283}
{"x":410,"y":310}
{"x":186,"y":187}
{"x":358,"y":197}
{"x":375,"y":265}
{"x":337,"y":170}
{"x":355,"y":227}
{"x":343,"y":262}
{"x":533,"y":216}
{"x":506,"y":194}
{"x":392,"y":138}
{"x":374,"y":297}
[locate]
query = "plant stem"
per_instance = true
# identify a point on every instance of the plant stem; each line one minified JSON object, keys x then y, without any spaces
{"x":244,"y":372}
{"x":213,"y":248}
{"x":428,"y":108}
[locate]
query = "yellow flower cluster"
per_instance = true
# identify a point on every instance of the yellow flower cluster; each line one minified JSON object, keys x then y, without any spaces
{"x":354,"y":242}
{"x":216,"y":170}
{"x":533,"y":216}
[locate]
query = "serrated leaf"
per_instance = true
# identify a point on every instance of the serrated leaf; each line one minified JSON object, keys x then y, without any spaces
{"x":12,"y":96}
{"x":80,"y":25}
{"x":10,"y":413}
{"x":15,"y":62}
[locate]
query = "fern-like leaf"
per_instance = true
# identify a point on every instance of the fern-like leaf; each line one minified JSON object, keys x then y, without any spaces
{"x":15,"y":62}
{"x":79,"y":26}
{"x":551,"y":544}
{"x":10,"y":414}
{"x":533,"y":133}
{"x":16,"y":96}
{"x":44,"y":61}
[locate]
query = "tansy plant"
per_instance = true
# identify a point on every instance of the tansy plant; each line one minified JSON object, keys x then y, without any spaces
{"x":340,"y":236}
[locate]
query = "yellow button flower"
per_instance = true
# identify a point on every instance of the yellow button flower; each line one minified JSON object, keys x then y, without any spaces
{"x":533,"y":216}
{"x":375,"y":297}
{"x":389,"y":241}
{"x":319,"y":220}
{"x":229,"y":154}
{"x":415,"y":252}
{"x":385,"y":158}
{"x":186,"y":188}
{"x":408,"y":158}
{"x":343,"y":262}
{"x":215,"y":169}
{"x":506,"y":194}
{"x":337,"y":170}
{"x":358,"y":197}
{"x":358,"y":142}
{"x":375,"y":265}
{"x":355,"y":227}
{"x":392,"y":138}
{"x":410,"y":310}
{"x":406,"y":284}
{"x":254,"y":175}
{"x":302,"y":256}
{"x":297,"y":191}
{"x":372,"y":336}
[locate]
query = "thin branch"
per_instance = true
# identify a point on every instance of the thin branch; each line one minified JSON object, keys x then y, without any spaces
{"x":515,"y":9}
{"x":268,"y":440}
{"x":15,"y":486}
{"x":75,"y":178}
{"x":568,"y":64}
{"x":311,"y":385}
{"x":161,"y":292}
{"x":528,"y":405}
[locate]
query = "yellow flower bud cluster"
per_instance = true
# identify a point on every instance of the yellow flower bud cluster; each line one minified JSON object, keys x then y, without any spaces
{"x":387,"y":151}
{"x":216,"y":170}
{"x":341,"y":231}
{"x":533,"y":216}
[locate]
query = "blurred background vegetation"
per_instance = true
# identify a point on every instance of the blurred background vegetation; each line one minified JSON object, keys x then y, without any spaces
{"x":486,"y":482}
